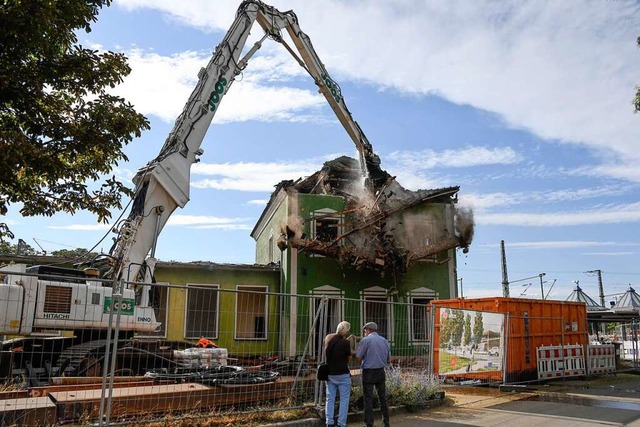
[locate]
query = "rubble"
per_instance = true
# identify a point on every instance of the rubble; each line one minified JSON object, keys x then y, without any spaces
{"x":385,"y":226}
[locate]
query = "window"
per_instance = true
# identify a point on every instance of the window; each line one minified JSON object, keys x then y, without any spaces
{"x":329,"y":318}
{"x":159,"y":300}
{"x":419,"y":314}
{"x":376,"y":308}
{"x":419,"y":319}
{"x":327,"y":225}
{"x":202,"y":311}
{"x":251,"y":312}
{"x":270,"y":250}
{"x":95,"y":298}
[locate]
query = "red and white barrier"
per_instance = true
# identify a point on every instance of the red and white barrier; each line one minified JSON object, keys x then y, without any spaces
{"x":557,"y":361}
{"x":601,"y":359}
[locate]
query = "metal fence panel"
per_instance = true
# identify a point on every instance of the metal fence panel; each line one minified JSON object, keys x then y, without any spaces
{"x":267,"y":347}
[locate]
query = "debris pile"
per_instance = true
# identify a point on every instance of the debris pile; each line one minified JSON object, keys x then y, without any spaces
{"x":383,"y":226}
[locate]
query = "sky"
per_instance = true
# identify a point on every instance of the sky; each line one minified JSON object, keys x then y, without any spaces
{"x":526,"y":106}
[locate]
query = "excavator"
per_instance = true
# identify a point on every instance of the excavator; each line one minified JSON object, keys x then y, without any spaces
{"x":37,"y":300}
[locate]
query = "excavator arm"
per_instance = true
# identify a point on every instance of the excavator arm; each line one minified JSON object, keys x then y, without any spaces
{"x":163,"y":184}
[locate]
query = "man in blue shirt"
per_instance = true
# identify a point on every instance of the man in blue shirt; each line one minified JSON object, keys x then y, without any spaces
{"x":374,"y":352}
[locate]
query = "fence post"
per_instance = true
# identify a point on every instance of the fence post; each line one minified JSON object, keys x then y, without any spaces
{"x":564,"y":360}
{"x":505,"y":350}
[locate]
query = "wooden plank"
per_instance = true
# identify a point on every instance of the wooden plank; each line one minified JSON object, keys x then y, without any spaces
{"x":92,"y":380}
{"x":45,"y":390}
{"x":16,"y":394}
{"x":129,"y":400}
{"x":28,"y":411}
{"x":161,"y":398}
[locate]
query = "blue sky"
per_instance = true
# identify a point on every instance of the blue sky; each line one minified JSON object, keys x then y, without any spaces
{"x":524,"y":105}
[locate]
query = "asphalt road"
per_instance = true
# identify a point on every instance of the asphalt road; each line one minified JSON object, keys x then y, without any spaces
{"x":613,"y":401}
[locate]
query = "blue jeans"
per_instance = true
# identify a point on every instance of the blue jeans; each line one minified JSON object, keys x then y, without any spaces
{"x":338,"y":384}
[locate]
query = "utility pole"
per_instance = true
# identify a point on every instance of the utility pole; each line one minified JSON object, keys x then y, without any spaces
{"x":600,"y":288}
{"x":461,"y":294}
{"x":505,"y":278}
{"x":541,"y":285}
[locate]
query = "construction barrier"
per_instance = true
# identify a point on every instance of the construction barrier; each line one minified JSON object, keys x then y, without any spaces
{"x":601,"y":359}
{"x":559,"y":361}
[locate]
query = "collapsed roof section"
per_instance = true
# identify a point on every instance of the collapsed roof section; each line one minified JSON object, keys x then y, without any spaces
{"x":383,"y":226}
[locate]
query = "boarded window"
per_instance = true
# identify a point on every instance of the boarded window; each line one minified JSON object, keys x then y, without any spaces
{"x":202,"y":312}
{"x":251,"y":312}
{"x":57,"y":299}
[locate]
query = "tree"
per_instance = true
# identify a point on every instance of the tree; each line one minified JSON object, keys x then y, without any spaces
{"x":457,"y":327}
{"x":21,"y":248}
{"x":466,"y":339}
{"x":74,"y":253}
{"x":478,"y":327}
{"x":61,"y":132}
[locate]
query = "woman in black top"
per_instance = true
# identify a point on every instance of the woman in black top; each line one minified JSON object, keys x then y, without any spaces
{"x":337,"y":351}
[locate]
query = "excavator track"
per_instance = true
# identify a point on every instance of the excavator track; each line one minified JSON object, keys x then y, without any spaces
{"x":78,"y":359}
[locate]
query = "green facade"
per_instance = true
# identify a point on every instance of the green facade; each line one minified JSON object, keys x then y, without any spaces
{"x":310,"y":276}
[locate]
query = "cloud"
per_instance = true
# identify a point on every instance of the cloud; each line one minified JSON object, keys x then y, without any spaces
{"x":608,"y":215}
{"x":210,"y":222}
{"x":609,"y":253}
{"x":624,"y":171}
{"x":467,"y":157}
{"x":566,"y":71}
{"x":161,"y":85}
{"x":483,"y":202}
{"x":259,"y":202}
{"x":81,"y":227}
{"x":565,"y":244}
{"x":425,"y":168}
{"x":251,"y":176}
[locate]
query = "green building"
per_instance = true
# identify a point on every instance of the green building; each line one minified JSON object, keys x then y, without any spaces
{"x":377,"y":251}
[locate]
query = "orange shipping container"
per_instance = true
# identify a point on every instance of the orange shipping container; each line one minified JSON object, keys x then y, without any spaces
{"x":529,"y":324}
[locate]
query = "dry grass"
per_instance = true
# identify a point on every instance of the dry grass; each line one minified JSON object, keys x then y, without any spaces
{"x":256,"y":417}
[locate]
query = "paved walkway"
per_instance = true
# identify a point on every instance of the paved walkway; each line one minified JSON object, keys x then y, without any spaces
{"x":613,"y":401}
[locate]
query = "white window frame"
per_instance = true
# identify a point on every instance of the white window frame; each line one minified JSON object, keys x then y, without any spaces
{"x":414,"y":294}
{"x":377,"y":292}
{"x":329,"y":291}
{"x":326,"y":213}
{"x":266,"y":312}
{"x":208,"y":286}
{"x":270,"y":249}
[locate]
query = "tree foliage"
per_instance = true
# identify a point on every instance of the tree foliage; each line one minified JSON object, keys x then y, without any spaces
{"x":22,"y":248}
{"x":61,"y":131}
{"x":78,"y":253}
{"x":466,"y":339}
{"x":478,"y":327}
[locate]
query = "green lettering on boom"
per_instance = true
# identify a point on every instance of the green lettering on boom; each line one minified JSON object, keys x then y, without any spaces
{"x":333,"y":87}
{"x":215,"y":96}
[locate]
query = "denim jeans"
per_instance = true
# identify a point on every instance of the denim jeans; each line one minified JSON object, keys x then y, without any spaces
{"x":374,"y":378}
{"x":340,"y":384}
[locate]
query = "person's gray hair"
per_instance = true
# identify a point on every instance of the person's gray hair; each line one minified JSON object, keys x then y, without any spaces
{"x":343,"y":328}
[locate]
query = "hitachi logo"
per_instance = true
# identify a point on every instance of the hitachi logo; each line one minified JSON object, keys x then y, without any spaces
{"x":57,"y":316}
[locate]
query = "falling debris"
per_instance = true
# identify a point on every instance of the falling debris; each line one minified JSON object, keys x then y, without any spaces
{"x":383,"y":226}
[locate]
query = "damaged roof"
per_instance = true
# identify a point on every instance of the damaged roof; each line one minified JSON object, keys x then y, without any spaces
{"x":372,"y":234}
